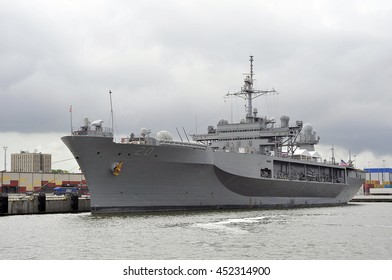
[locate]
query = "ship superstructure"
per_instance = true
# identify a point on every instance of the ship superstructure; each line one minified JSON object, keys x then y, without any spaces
{"x":256,"y":134}
{"x":253,"y":163}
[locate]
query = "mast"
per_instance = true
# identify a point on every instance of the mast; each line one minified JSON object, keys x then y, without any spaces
{"x":111,"y":111}
{"x":248,"y":88}
{"x":247,"y":92}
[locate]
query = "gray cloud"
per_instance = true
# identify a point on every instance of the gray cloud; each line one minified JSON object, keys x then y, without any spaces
{"x":170,"y":63}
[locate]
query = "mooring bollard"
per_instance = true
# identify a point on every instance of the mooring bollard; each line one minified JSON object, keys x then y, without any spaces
{"x":4,"y":203}
{"x":74,"y":202}
{"x":42,"y":202}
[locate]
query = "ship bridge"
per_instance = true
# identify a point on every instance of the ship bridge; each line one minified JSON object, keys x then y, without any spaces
{"x":255,"y":134}
{"x":258,"y":137}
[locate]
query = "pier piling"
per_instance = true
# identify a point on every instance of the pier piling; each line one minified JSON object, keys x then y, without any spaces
{"x":42,"y":202}
{"x":4,"y":203}
{"x":74,"y":202}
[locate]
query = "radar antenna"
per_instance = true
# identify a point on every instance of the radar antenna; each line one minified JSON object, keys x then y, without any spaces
{"x":248,"y":93}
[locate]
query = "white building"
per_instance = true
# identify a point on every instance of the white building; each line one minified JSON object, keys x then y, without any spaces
{"x":31,"y":162}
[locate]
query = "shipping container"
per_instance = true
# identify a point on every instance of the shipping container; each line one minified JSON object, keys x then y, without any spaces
{"x":22,"y":189}
{"x":14,"y":183}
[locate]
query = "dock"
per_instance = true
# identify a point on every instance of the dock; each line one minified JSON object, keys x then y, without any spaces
{"x":42,"y":203}
{"x":372,"y":198}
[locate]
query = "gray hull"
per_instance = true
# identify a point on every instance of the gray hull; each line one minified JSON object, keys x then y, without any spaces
{"x":172,"y":178}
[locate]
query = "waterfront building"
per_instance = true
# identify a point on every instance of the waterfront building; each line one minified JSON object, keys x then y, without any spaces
{"x":22,"y":182}
{"x":31,"y":162}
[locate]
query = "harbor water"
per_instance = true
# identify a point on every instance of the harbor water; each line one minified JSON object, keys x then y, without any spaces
{"x":357,"y":231}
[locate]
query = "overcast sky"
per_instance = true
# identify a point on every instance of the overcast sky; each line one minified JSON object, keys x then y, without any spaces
{"x":169,"y":64}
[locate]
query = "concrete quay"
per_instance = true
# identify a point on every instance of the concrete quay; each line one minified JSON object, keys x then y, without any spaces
{"x":42,"y":203}
{"x":372,"y":198}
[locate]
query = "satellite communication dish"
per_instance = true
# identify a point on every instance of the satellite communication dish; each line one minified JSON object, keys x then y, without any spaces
{"x":97,"y":123}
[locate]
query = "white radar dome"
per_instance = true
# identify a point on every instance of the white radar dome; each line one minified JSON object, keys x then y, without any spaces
{"x":97,"y":123}
{"x":164,"y":135}
{"x":143,"y":131}
{"x":307,"y":128}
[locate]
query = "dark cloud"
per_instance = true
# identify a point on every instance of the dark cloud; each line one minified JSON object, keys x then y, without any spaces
{"x":170,"y":64}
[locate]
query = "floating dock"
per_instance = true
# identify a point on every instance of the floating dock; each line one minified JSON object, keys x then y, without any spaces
{"x":42,"y":203}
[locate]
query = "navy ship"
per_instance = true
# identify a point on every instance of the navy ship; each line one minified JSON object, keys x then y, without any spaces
{"x":250,"y":164}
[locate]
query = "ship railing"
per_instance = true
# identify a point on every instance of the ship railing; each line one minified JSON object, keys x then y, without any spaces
{"x":301,"y":176}
{"x":134,"y":140}
{"x":98,"y":132}
{"x":182,"y":144}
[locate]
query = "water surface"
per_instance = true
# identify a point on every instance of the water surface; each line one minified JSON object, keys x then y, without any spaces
{"x":356,"y":231}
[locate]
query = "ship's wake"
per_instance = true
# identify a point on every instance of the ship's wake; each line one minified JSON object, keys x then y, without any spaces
{"x":239,"y":225}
